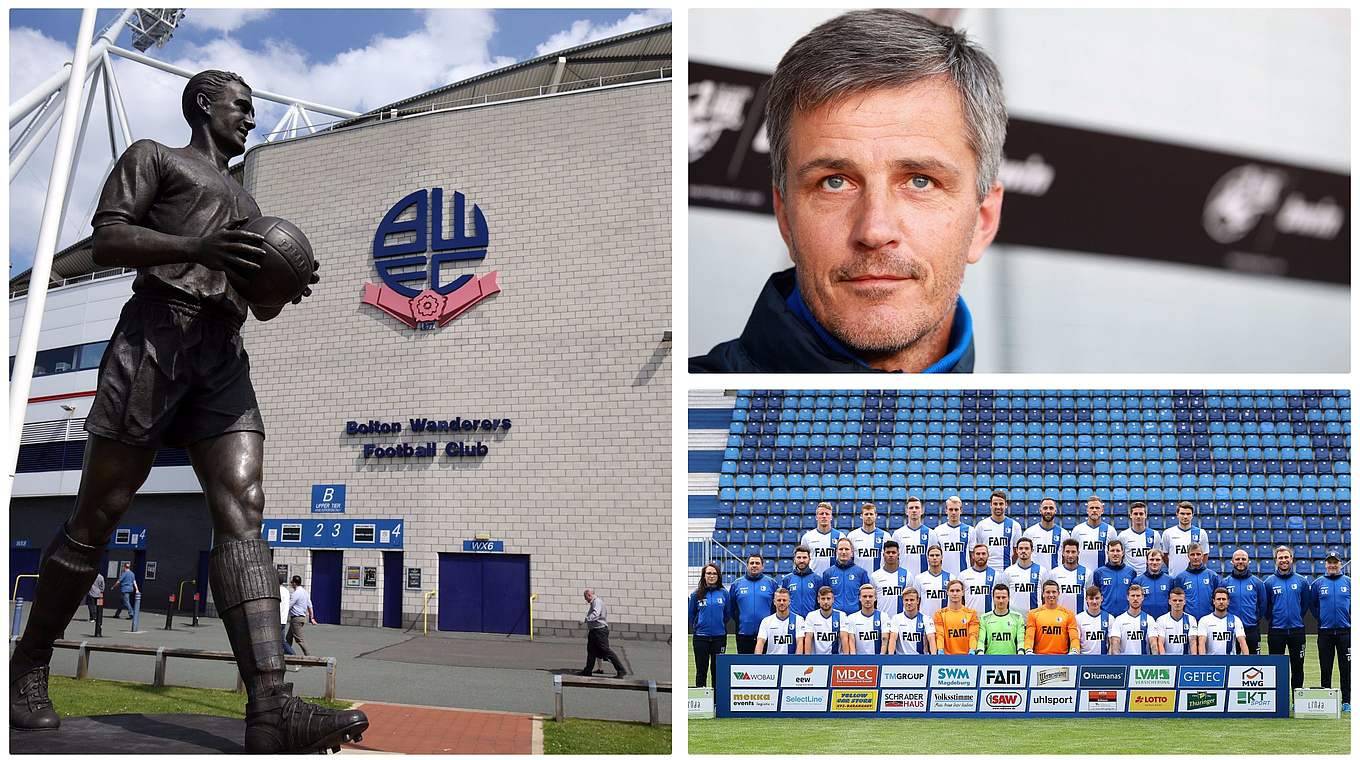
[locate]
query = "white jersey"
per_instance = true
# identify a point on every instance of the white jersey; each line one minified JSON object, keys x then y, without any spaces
{"x":1024,"y":583}
{"x":826,"y":631}
{"x":1134,"y":632}
{"x":1220,"y":633}
{"x":912,"y":633}
{"x":932,"y":589}
{"x":868,"y":547}
{"x":889,"y":586}
{"x":866,"y":631}
{"x":953,"y":540}
{"x":1092,"y":544}
{"x":1047,"y":543}
{"x":1071,"y":586}
{"x":912,"y":543}
{"x":977,"y":588}
{"x":1175,"y":634}
{"x":1177,"y":542}
{"x":823,"y":546}
{"x":781,"y":636}
{"x":999,"y":538}
{"x":1137,"y":545}
{"x":1095,"y":631}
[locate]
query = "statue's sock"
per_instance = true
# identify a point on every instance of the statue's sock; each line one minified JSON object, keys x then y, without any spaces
{"x":245,"y":588}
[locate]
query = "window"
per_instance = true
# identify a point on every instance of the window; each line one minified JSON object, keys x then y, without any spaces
{"x":55,"y":361}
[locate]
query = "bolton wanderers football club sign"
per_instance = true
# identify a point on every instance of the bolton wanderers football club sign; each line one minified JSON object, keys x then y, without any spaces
{"x":414,"y":287}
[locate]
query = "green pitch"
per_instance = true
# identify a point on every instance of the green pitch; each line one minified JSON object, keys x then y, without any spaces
{"x":1048,"y":736}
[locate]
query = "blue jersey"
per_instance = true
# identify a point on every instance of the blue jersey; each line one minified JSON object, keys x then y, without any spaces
{"x":752,"y":602}
{"x":1199,"y":588}
{"x":1247,"y":596}
{"x":802,"y":591}
{"x":1114,"y":587}
{"x":708,"y":616}
{"x":845,"y":581}
{"x":1331,"y":601}
{"x":1289,"y":597}
{"x":1156,"y":593}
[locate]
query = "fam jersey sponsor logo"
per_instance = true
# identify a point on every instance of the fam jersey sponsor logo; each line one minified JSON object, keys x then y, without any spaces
{"x":903,"y":675}
{"x":1201,"y":701}
{"x":1251,"y":676}
{"x":1103,"y":700}
{"x":854,"y":700}
{"x":1053,"y":700}
{"x":753,"y":700}
{"x":804,"y":676}
{"x":803,"y":700}
{"x":894,"y":700}
{"x":1053,"y":676}
{"x":854,"y":675}
{"x":1002,"y":700}
{"x":1201,"y":677}
{"x":1152,"y":701}
{"x":947,"y":676}
{"x":1004,"y":675}
{"x":953,"y":700}
{"x":1107,"y":676}
{"x":754,"y":675}
{"x":1141,"y":676}
{"x":1251,"y":700}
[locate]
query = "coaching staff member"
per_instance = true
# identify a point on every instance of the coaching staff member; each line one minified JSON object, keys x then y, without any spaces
{"x":885,"y":134}
{"x":1331,"y":601}
{"x":1288,"y":600}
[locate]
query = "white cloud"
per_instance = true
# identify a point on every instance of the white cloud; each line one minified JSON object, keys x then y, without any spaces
{"x":223,"y":19}
{"x":584,"y":31}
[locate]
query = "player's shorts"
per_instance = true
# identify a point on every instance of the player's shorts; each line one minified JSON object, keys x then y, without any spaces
{"x":173,"y":375}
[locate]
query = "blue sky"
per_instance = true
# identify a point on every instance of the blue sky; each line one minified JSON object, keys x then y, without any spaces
{"x":353,"y":59}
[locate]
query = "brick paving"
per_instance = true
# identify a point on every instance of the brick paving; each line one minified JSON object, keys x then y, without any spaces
{"x":412,"y":730}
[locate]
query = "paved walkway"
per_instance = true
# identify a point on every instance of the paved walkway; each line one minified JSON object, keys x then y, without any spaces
{"x":412,"y":730}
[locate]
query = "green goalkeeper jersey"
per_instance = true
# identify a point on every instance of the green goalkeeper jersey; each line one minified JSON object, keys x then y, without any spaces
{"x":1001,"y":634}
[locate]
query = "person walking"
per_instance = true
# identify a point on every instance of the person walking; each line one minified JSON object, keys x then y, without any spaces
{"x":299,"y":614}
{"x":96,"y":593}
{"x":597,"y":637}
{"x":127,"y":586}
{"x":285,"y":596}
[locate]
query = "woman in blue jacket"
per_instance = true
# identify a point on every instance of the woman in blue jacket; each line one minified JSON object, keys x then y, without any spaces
{"x":709,"y":609}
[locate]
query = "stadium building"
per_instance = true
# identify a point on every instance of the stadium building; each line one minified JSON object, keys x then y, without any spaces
{"x":471,"y":415}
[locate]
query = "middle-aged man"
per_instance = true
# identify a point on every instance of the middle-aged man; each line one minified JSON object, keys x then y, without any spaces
{"x":1199,"y":583}
{"x":802,"y":583}
{"x":845,"y":577}
{"x":597,"y":636}
{"x":1289,"y":600}
{"x":127,"y":586}
{"x":1331,"y":604}
{"x":752,"y":601}
{"x":1247,"y":596}
{"x":1114,"y":579}
{"x":885,"y":133}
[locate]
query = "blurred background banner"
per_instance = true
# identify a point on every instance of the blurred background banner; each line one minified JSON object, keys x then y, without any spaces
{"x":1170,"y":205}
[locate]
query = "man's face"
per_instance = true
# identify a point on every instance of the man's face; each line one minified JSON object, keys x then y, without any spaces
{"x":1093,"y":604}
{"x":825,"y":601}
{"x":1135,"y":599}
{"x":1048,"y":509}
{"x":801,"y":560}
{"x":1183,"y":515}
{"x":953,"y":510}
{"x":979,"y":556}
{"x":1333,"y":566}
{"x":843,"y":550}
{"x":955,"y":592}
{"x":754,"y":566}
{"x":823,"y":519}
{"x":868,"y":517}
{"x":998,"y":507}
{"x":1070,"y":556}
{"x":880,"y":214}
{"x":1094,"y":510}
{"x":1138,"y":518}
{"x":1023,"y":550}
{"x":1116,"y":553}
{"x":911,"y":604}
{"x":1001,"y":600}
{"x":890,"y":557}
{"x":1220,"y":602}
{"x":866,"y":599}
{"x":1154,"y":563}
{"x":1196,"y":557}
{"x":1240,"y":560}
{"x":589,"y":596}
{"x":914,"y":512}
{"x":1283,"y":561}
{"x":781,"y":604}
{"x":231,"y":116}
{"x":1177,"y":602}
{"x":934,"y":558}
{"x":1050,"y":595}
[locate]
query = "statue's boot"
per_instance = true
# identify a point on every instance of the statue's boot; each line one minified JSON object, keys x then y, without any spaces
{"x":65,"y":575}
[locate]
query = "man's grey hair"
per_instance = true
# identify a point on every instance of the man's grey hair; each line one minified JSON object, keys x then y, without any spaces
{"x":869,"y":50}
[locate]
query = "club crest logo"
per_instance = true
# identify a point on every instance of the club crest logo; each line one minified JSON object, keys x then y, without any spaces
{"x":415,"y":288}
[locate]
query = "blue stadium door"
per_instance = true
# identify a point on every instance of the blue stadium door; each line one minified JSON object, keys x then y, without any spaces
{"x":23,"y":562}
{"x":484,"y":593}
{"x":326,"y":579}
{"x":392,"y":583}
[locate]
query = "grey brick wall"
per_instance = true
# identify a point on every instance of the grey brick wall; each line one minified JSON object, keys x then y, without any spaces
{"x":576,"y":191}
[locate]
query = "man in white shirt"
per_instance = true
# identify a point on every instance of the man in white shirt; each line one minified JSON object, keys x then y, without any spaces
{"x":1047,"y":535}
{"x":823,"y":625}
{"x":1131,"y":631}
{"x":933,"y":584}
{"x":781,"y":632}
{"x":284,"y":604}
{"x":889,"y":580}
{"x":1138,"y":538}
{"x":863,"y":631}
{"x":1093,"y":536}
{"x":1095,"y":624}
{"x":822,"y":539}
{"x":1176,"y":630}
{"x":1177,"y":539}
{"x":868,"y":539}
{"x":998,"y":533}
{"x":1221,"y":632}
{"x":1072,"y":577}
{"x":952,"y":536}
{"x":914,"y":538}
{"x":1024,"y":578}
{"x":911,"y":632}
{"x":978,"y":581}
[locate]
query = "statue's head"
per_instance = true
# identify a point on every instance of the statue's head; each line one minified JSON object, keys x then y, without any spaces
{"x":221,"y":101}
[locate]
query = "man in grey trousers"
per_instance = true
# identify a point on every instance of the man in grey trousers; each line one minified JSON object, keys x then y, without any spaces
{"x":597,"y":637}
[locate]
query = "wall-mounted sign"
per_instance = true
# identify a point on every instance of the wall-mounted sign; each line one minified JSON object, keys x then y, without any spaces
{"x":353,"y":576}
{"x":328,"y":497}
{"x":283,"y":573}
{"x":150,"y":573}
{"x":370,"y":577}
{"x":130,"y":537}
{"x":309,"y":533}
{"x":421,"y":449}
{"x":483,"y":546}
{"x":21,"y":543}
{"x":413,"y":579}
{"x":413,"y":286}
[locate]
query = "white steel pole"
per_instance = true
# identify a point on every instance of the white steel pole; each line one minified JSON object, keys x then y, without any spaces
{"x":32,"y":123}
{"x":48,"y":120}
{"x":22,"y":376}
{"x":84,"y":118}
{"x":112,"y":84}
{"x":21,"y":107}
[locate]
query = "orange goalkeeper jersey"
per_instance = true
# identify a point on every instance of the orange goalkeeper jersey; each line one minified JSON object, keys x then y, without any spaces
{"x":1052,"y":631}
{"x":956,"y":632}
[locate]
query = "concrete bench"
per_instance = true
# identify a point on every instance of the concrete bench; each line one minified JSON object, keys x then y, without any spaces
{"x":591,"y":682}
